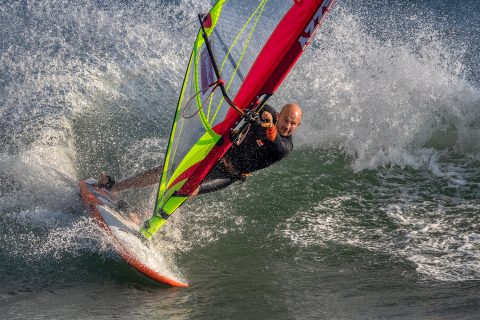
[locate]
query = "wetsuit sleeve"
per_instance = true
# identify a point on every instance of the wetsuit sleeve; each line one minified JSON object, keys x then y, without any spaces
{"x":281,"y":145}
{"x":271,"y":133}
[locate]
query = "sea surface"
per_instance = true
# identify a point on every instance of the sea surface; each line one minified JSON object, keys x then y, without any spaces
{"x":374,"y":215}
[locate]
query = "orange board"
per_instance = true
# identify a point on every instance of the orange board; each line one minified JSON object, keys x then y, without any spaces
{"x":127,"y":241}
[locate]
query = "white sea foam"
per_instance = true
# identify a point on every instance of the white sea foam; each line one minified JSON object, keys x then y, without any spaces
{"x":409,"y":217}
{"x":199,"y":223}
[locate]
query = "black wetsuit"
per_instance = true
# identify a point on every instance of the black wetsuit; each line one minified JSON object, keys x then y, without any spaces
{"x":253,"y":153}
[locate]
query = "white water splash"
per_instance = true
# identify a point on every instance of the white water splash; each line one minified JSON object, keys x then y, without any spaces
{"x":68,"y":71}
{"x":385,"y":101}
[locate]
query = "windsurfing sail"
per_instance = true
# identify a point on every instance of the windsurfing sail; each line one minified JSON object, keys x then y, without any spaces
{"x":242,"y":53}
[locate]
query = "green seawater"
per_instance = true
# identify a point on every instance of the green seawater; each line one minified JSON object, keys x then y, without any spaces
{"x":289,"y":243}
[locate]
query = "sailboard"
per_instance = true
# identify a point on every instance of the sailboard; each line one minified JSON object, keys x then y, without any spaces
{"x":242,"y":53}
{"x":127,"y":243}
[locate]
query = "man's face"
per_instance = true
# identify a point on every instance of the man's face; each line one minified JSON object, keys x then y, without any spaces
{"x":288,"y":121}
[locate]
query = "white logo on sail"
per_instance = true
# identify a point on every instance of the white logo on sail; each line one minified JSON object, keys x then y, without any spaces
{"x":314,"y":23}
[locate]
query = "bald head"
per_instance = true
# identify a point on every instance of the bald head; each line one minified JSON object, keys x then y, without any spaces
{"x":289,"y":119}
{"x":292,"y":107}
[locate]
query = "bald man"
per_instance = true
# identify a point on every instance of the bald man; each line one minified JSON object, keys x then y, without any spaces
{"x":258,"y":149}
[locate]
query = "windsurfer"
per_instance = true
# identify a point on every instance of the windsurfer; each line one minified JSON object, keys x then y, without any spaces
{"x":259,"y":148}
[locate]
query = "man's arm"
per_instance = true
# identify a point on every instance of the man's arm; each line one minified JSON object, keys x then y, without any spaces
{"x":143,"y":179}
{"x":282,"y":146}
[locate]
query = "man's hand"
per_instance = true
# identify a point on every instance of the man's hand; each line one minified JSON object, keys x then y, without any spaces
{"x":267,"y":116}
